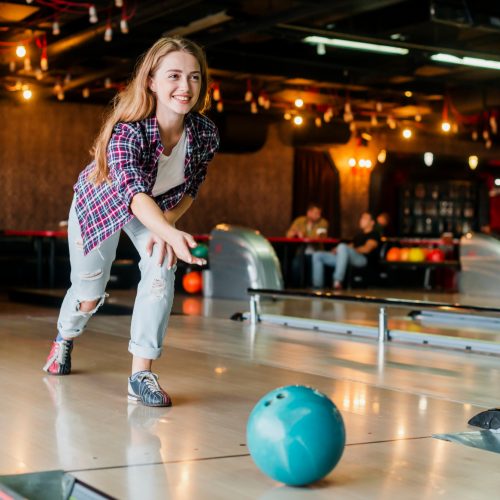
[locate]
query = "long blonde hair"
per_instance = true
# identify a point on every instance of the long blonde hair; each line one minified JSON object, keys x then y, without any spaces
{"x":137,"y":101}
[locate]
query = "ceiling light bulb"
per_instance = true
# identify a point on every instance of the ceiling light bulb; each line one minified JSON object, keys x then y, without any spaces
{"x":352,"y":162}
{"x":428,"y":159}
{"x":44,"y":63}
{"x":287,"y":116}
{"x":298,"y":120}
{"x":382,"y":156}
{"x":493,"y":124}
{"x":123,"y":26}
{"x":317,"y":121}
{"x":418,"y":118}
{"x":20,"y":51}
{"x":93,"y":14}
{"x":220,"y":107}
{"x":473,"y":162}
{"x":446,"y":126}
{"x":407,"y":133}
{"x":373,"y":120}
{"x":118,"y":3}
{"x":56,"y":30}
{"x":27,"y":94}
{"x":299,"y":103}
{"x":321,"y":49}
{"x":408,"y":93}
{"x":108,"y":33}
{"x":85,"y":93}
{"x":253,"y":108}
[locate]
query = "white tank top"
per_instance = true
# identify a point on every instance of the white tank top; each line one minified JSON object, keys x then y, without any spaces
{"x":171,"y":168}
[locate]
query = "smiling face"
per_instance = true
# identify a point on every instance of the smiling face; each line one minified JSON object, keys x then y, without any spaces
{"x":176,"y":83}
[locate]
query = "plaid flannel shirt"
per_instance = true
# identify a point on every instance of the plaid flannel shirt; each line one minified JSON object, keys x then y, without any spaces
{"x":133,"y":153}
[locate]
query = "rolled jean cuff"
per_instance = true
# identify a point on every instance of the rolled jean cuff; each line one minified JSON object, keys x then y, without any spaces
{"x":144,"y":352}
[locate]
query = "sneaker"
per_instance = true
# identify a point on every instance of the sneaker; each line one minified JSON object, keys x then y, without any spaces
{"x":59,"y":360}
{"x":143,"y":387}
{"x":337,"y":285}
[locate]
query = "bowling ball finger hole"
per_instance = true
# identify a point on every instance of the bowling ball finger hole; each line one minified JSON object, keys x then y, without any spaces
{"x":267,"y":403}
{"x":280,"y":396}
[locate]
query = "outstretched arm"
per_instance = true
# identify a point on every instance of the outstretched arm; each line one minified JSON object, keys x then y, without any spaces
{"x":148,"y":212}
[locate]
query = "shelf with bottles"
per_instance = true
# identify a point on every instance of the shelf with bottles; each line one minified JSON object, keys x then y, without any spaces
{"x":429,"y":209}
{"x":435,"y":226}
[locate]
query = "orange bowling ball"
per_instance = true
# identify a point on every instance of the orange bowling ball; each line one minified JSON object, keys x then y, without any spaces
{"x":404,"y":254}
{"x":192,"y":282}
{"x":393,"y":255}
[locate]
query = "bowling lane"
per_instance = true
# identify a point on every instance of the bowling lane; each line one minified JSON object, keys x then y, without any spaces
{"x":423,"y":469}
{"x":452,"y":375}
{"x":215,"y":370}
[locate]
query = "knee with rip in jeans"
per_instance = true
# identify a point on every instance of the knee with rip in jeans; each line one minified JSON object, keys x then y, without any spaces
{"x":91,"y":305}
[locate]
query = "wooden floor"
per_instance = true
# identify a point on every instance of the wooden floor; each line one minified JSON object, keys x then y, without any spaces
{"x":393,"y":399}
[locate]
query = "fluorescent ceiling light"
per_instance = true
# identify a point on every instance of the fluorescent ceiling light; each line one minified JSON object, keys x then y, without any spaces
{"x":350,"y":44}
{"x":466,"y":61}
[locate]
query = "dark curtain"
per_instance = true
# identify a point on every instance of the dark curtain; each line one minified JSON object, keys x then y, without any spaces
{"x":316,"y":179}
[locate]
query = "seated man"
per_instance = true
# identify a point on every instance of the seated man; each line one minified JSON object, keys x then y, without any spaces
{"x":360,"y":253}
{"x":311,"y":225}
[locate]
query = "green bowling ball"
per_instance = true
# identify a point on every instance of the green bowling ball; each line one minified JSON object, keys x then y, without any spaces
{"x":201,"y":251}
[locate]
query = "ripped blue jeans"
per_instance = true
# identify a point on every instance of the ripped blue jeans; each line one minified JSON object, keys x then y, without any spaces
{"x":90,"y":274}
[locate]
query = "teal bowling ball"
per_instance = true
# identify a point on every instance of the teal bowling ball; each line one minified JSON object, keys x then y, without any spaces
{"x":200,"y":251}
{"x":295,"y":435}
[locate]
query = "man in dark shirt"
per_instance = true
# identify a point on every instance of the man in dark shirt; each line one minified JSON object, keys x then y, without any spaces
{"x":360,"y":253}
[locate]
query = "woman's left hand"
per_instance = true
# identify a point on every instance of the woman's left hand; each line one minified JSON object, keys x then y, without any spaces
{"x":164,"y":250}
{"x":171,"y":257}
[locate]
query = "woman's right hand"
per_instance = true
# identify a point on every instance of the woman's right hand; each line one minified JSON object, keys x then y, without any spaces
{"x":181,"y":244}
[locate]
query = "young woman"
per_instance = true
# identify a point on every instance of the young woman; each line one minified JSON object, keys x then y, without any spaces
{"x":150,"y":158}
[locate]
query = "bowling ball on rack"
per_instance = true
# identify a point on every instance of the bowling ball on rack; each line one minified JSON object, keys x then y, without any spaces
{"x":436,"y":255}
{"x":393,"y":255}
{"x":416,"y":254}
{"x":296,"y":435}
{"x":404,"y":254}
{"x":200,"y":251}
{"x":192,"y":282}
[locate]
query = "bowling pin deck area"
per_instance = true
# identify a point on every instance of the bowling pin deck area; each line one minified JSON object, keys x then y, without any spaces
{"x":393,"y":399}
